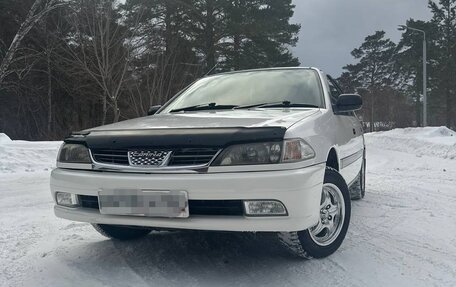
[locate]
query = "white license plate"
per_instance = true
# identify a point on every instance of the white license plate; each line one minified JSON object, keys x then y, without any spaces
{"x":151,"y":203}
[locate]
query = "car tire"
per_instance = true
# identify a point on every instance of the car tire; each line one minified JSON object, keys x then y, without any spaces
{"x":121,"y":232}
{"x":358,"y":188}
{"x":326,"y":237}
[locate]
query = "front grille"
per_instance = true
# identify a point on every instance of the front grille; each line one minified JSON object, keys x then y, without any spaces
{"x":110,"y":156}
{"x":216,"y":207}
{"x":88,"y":201}
{"x":192,"y":156}
{"x":179,"y":157}
{"x":196,"y":207}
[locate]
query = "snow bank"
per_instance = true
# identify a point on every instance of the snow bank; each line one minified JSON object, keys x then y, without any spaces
{"x":428,"y":141}
{"x":26,"y":156}
{"x":4,"y":138}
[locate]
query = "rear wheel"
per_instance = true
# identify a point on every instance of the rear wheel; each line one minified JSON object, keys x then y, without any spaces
{"x":326,"y":237}
{"x":121,"y":232}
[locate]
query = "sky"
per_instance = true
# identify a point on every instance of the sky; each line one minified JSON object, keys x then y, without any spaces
{"x":331,"y":29}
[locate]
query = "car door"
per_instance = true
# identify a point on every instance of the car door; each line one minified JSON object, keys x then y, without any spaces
{"x":349,"y":137}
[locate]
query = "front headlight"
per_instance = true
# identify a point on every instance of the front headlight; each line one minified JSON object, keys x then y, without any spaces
{"x":74,"y":153}
{"x":265,"y":153}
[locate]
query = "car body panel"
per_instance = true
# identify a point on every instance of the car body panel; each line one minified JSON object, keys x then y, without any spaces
{"x":299,"y":190}
{"x":348,"y":137}
{"x":275,"y":117}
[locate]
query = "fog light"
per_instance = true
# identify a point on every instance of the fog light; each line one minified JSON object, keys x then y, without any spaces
{"x":66,"y":199}
{"x":264,"y":208}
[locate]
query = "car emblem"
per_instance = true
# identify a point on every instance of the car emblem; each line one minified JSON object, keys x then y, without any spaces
{"x":148,"y":158}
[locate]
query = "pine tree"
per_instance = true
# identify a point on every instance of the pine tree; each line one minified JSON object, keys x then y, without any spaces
{"x":444,"y":17}
{"x":206,"y":29}
{"x":259,"y":34}
{"x":409,"y":60}
{"x":374,"y":70}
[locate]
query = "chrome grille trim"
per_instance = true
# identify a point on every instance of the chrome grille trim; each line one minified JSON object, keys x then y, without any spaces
{"x":97,"y":165}
{"x":192,"y":156}
{"x":110,"y":156}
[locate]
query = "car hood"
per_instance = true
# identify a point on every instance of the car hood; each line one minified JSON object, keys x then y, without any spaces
{"x":213,"y":119}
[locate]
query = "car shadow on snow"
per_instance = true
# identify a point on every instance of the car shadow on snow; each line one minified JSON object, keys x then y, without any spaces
{"x":202,"y":258}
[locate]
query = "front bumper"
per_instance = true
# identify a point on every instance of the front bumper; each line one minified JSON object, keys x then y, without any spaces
{"x":298,"y":189}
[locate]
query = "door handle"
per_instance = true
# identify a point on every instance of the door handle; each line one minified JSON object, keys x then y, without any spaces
{"x":354,"y":131}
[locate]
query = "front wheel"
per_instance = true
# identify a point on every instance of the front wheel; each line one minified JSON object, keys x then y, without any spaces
{"x":121,"y":232}
{"x":326,"y":237}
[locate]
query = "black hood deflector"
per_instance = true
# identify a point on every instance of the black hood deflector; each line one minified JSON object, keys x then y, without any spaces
{"x":165,"y":138}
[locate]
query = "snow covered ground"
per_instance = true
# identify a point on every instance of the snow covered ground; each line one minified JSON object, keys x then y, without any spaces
{"x":402,"y":234}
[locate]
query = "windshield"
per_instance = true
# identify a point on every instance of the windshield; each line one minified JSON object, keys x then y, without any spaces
{"x":297,"y":86}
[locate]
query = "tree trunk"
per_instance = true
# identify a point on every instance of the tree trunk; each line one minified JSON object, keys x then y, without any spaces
{"x":372,"y":129}
{"x":237,"y":51}
{"x":448,"y":113}
{"x":116,"y":111}
{"x":105,"y":109}
{"x":210,"y":45}
{"x":237,"y":35}
{"x":168,"y":29}
{"x":49,"y":120}
{"x":418,"y":110}
{"x":449,"y":57}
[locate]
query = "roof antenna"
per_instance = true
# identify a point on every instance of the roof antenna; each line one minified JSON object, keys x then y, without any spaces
{"x":211,"y":70}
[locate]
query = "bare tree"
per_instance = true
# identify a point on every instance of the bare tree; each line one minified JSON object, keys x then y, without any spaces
{"x":101,"y":49}
{"x":38,"y":10}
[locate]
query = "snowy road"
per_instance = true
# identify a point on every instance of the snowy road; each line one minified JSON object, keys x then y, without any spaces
{"x":402,"y":234}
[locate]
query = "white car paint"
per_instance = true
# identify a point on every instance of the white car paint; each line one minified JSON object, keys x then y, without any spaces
{"x":215,"y":119}
{"x":297,"y":185}
{"x":298,"y":189}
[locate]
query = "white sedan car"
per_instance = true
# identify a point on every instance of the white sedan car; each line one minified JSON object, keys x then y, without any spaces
{"x":271,"y":150}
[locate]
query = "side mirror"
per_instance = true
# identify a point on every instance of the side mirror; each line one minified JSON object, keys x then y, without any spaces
{"x":349,"y":103}
{"x":153,"y":110}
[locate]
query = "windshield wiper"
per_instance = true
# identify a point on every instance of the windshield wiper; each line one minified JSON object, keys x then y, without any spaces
{"x":209,"y":106}
{"x":284,"y":104}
